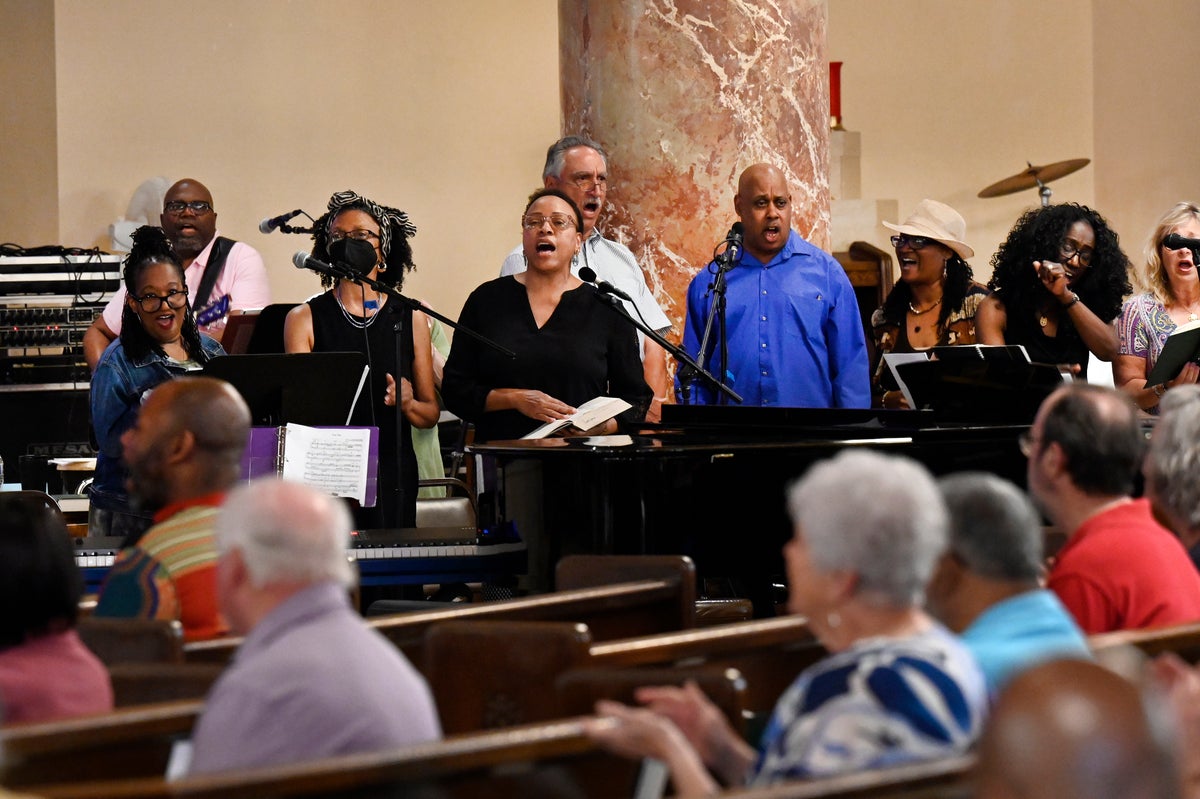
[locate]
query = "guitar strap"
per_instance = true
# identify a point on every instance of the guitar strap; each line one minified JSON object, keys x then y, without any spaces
{"x":212,"y":270}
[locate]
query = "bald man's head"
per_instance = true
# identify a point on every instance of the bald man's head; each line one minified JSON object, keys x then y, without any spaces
{"x":764,"y":204}
{"x":1071,"y":729}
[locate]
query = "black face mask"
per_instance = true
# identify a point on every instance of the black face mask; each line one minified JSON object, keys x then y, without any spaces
{"x":357,"y":254}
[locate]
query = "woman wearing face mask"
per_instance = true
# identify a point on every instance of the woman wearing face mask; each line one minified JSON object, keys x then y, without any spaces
{"x":934,"y":303}
{"x":1058,"y":282}
{"x":372,"y":239}
{"x":159,"y":341}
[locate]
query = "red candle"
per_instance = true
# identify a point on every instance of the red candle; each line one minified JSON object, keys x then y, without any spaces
{"x":835,"y":94}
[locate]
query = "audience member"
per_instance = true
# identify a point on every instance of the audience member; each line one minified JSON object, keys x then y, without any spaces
{"x":184,"y":453}
{"x":1070,"y":729}
{"x":569,"y":347}
{"x":238,"y":282}
{"x":373,"y":240}
{"x":986,"y":586}
{"x":159,"y":341}
{"x":46,"y":672}
{"x":1172,"y":465}
{"x":934,"y":275}
{"x":311,"y":679}
{"x":897,"y":686}
{"x":1059,"y":279}
{"x":578,"y":167}
{"x":1170,"y":297}
{"x":1119,"y":568}
{"x":795,"y":338}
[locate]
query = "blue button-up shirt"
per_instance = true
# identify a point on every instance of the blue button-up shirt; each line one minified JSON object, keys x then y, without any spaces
{"x":795,"y":336}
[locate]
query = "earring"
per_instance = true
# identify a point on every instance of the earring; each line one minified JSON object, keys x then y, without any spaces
{"x":833,"y":619}
{"x":525,"y":258}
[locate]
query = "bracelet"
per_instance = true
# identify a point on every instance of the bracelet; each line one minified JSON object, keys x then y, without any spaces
{"x":1074,"y":299}
{"x":1159,"y":389}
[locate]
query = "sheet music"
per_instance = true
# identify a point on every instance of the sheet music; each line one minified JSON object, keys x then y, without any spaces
{"x":333,"y":460}
{"x":894,"y":360}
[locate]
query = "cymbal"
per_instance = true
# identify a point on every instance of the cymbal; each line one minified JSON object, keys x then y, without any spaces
{"x":1034,"y":176}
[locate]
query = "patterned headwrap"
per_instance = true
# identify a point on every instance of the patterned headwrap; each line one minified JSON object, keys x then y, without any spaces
{"x":385,"y":217}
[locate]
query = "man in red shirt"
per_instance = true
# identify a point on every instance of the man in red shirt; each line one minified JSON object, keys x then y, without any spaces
{"x":1119,"y":569}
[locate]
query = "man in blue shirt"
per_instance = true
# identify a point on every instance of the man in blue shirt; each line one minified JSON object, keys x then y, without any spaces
{"x":795,"y":337}
{"x":986,"y":586}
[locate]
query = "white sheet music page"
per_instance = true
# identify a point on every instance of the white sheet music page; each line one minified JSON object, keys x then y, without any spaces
{"x":333,"y":460}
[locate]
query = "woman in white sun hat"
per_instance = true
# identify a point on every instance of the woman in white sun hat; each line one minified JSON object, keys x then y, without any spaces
{"x":935,"y":301}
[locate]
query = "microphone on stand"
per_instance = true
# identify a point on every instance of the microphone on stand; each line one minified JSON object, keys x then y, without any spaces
{"x":728,"y":258}
{"x":588,"y":275}
{"x":1176,"y":242}
{"x":302,"y":260}
{"x":276,"y":222}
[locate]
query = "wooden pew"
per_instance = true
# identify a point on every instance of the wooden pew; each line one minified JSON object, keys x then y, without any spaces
{"x":131,"y":742}
{"x":132,"y":640}
{"x":545,"y":760}
{"x":950,"y":778}
{"x":1182,"y":639}
{"x":625,"y":609}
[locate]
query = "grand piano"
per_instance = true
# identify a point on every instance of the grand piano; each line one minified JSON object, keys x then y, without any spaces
{"x":709,"y":481}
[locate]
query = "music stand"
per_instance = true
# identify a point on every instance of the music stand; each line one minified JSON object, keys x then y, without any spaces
{"x":971,"y":388}
{"x":309,"y":388}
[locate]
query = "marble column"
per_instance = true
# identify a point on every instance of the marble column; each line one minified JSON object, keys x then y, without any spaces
{"x":684,"y":95}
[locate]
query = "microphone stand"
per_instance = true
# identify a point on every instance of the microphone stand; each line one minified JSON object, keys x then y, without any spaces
{"x":716,"y":310}
{"x":342,"y":272}
{"x":676,"y":352}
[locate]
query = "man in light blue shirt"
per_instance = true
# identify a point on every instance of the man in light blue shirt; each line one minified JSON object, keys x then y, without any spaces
{"x":986,"y":586}
{"x":795,"y":337}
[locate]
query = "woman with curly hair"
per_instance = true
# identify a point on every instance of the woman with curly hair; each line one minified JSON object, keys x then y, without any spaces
{"x":1170,"y":297}
{"x":351,"y":317}
{"x":934,"y":277}
{"x":159,"y":341}
{"x":1058,"y":282}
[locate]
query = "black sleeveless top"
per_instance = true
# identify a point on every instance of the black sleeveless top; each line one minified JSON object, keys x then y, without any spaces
{"x":332,"y":332}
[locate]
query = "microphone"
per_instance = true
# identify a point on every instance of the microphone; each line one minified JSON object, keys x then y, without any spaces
{"x":302,"y":260}
{"x":1176,"y":242}
{"x":276,"y":222}
{"x":733,"y":246}
{"x":588,"y":275}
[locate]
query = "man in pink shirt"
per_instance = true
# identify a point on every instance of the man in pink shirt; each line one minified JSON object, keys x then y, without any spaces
{"x":190,"y":222}
{"x":1119,"y":569}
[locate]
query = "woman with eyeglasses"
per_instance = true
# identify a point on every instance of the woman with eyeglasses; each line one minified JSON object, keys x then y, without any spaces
{"x":1058,"y":281}
{"x":1170,"y":297}
{"x":569,"y":347}
{"x":372,"y":240}
{"x":934,"y":303}
{"x":159,"y":341}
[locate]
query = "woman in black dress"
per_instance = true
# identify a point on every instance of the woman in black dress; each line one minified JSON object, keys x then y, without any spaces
{"x":350,"y":317}
{"x":569,"y":347}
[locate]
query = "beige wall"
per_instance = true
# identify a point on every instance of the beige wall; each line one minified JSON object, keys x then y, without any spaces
{"x":442,"y":109}
{"x":952,"y":96}
{"x":28,"y":130}
{"x":1147,"y":114}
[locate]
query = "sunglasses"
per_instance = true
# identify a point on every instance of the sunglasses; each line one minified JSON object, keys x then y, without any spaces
{"x":912,"y":242}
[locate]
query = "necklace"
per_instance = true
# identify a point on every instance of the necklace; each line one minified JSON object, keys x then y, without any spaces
{"x":915,"y":312}
{"x":351,"y":318}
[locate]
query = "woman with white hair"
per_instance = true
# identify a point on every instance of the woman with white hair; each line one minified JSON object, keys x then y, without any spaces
{"x":897,"y":687}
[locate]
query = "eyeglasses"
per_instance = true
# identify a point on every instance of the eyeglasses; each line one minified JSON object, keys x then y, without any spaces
{"x":152,"y":302}
{"x":559,"y":222}
{"x":1070,"y":249}
{"x":588,"y":182}
{"x":1028,"y":443}
{"x":912,"y":242}
{"x":357,"y":235}
{"x":177,"y":207}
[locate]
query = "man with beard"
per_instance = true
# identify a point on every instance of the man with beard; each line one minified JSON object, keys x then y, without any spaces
{"x":795,"y":338}
{"x":578,"y":167}
{"x":238,"y":277}
{"x":184,"y":453}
